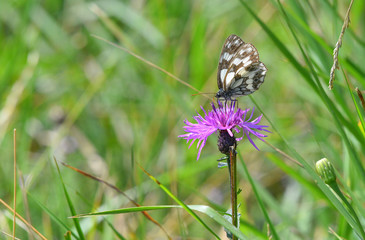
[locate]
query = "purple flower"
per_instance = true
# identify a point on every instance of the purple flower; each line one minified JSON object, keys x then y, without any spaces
{"x":224,"y":118}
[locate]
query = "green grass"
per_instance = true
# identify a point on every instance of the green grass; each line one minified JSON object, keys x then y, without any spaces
{"x":85,"y":102}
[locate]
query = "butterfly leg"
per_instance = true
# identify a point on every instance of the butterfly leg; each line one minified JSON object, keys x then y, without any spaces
{"x":234,"y":101}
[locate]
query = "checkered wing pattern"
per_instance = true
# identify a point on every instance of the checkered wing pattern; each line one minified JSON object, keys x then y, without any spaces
{"x":239,"y":70}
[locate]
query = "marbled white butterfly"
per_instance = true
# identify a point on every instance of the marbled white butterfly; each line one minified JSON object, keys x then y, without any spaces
{"x":239,"y":70}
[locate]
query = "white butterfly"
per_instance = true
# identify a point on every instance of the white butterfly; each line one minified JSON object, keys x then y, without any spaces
{"x":239,"y":70}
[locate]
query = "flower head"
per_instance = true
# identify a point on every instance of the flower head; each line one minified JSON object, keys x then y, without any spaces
{"x":326,"y":171}
{"x":226,"y":117}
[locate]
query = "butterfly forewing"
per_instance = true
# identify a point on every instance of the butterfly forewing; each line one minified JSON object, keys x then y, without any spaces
{"x":239,"y":70}
{"x":229,"y":49}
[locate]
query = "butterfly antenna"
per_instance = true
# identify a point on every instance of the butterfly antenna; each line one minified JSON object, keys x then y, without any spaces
{"x":205,"y":95}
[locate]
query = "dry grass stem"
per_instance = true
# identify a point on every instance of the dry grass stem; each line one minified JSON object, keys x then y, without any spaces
{"x":338,"y":45}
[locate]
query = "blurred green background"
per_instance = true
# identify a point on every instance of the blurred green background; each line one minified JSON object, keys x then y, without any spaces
{"x":97,"y":108}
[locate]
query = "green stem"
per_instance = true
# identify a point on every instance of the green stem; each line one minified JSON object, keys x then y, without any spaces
{"x":335,"y":188}
{"x":232,"y":167}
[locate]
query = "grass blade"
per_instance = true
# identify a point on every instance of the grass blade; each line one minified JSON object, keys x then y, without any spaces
{"x":201,"y":208}
{"x":261,"y":204}
{"x":53,"y":216}
{"x":181,"y":203}
{"x":70,"y":204}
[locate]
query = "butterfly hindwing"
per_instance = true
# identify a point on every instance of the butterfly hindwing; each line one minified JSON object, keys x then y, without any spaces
{"x":249,"y":81}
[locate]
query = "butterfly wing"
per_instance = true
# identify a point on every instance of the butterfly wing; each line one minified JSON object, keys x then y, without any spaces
{"x":232,"y":43}
{"x":248,"y":80}
{"x":247,"y":71}
{"x":239,"y":71}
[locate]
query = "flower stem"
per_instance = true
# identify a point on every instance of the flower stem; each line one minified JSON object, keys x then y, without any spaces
{"x":336,"y":189}
{"x":232,"y":167}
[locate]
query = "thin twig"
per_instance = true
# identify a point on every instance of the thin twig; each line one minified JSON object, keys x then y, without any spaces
{"x":269,"y":236}
{"x":9,"y":235}
{"x":361,"y":97}
{"x":150,"y":64}
{"x":25,"y":203}
{"x":119,"y":191}
{"x":338,"y":45}
{"x":14,"y":219}
{"x":330,"y":230}
{"x":284,"y":154}
{"x":22,"y":219}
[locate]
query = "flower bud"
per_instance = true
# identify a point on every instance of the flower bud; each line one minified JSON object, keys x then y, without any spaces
{"x":225,"y":141}
{"x":326,"y":171}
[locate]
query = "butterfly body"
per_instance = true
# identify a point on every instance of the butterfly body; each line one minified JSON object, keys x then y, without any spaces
{"x":239,"y":70}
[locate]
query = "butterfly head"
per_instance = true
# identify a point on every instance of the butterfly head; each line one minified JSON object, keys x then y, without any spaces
{"x":223,"y":95}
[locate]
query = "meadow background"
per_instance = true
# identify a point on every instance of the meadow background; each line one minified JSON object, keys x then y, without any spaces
{"x":80,"y":100}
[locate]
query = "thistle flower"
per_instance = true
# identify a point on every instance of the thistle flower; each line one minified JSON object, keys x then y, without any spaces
{"x":227,"y":119}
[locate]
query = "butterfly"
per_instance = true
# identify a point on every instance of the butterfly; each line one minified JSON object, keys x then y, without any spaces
{"x":239,"y":70}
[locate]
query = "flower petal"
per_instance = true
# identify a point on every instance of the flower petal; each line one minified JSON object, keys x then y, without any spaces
{"x":224,"y":117}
